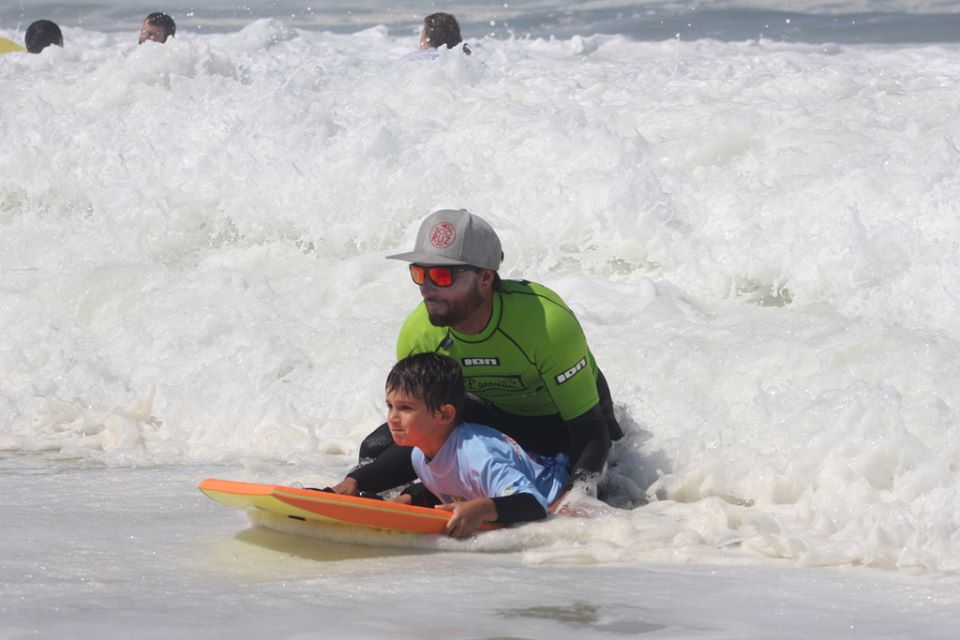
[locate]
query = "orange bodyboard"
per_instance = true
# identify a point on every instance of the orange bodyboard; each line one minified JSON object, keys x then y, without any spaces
{"x":320,"y":506}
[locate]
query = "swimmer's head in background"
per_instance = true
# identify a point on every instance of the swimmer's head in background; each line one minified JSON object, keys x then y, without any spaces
{"x":41,"y":34}
{"x":157,"y":27}
{"x":440,"y":29}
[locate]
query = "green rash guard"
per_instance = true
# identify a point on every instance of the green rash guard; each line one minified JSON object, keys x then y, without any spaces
{"x":532,"y":366}
{"x":531,"y":359}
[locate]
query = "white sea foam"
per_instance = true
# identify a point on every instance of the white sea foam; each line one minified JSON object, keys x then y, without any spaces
{"x":760,"y":240}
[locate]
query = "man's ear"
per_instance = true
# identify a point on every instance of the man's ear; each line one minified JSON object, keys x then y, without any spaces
{"x":447,"y":413}
{"x":486,"y":277}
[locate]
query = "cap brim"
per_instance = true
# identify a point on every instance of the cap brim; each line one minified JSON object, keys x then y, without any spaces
{"x":423,"y":257}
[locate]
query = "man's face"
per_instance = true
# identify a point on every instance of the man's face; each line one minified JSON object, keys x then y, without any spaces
{"x":453,"y":305}
{"x":153,"y":32}
{"x":411,"y":423}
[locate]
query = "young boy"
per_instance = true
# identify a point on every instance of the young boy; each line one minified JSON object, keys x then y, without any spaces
{"x":475,"y":471}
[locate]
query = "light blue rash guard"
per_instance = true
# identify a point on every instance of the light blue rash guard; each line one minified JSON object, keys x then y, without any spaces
{"x":480,"y":462}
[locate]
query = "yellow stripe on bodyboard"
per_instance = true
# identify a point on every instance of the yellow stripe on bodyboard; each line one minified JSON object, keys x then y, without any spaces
{"x":320,"y":506}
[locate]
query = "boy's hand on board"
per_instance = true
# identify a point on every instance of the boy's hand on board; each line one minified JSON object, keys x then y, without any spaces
{"x":468,"y":516}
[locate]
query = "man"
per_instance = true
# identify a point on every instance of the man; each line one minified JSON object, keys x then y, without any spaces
{"x":525,"y":361}
{"x":41,"y":34}
{"x":157,"y":27}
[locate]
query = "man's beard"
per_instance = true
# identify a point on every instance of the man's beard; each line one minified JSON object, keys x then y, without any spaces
{"x":457,"y":312}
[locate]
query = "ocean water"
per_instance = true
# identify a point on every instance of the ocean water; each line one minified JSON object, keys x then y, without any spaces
{"x":756,"y":227}
{"x":844,"y":21}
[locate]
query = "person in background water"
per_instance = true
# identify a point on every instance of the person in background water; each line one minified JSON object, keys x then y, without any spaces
{"x":41,"y":34}
{"x":157,"y":27}
{"x":527,"y":367}
{"x":438,"y":30}
{"x":476,"y":472}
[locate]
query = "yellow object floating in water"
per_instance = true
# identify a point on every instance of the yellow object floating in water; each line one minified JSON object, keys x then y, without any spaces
{"x":9,"y":46}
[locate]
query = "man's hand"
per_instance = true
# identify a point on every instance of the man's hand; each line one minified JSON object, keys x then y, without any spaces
{"x":348,"y":487}
{"x":578,"y":501}
{"x":468,"y":516}
{"x":586,"y":483}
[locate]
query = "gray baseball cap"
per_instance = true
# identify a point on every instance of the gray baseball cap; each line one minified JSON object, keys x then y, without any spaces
{"x":451,"y":237}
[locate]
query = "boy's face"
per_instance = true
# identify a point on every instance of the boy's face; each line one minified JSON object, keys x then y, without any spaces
{"x":153,"y":32}
{"x":411,"y":423}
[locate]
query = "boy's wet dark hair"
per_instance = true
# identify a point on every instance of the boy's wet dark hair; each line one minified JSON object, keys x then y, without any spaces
{"x":442,"y":29}
{"x":163,"y":21}
{"x":41,"y":34}
{"x":434,"y":378}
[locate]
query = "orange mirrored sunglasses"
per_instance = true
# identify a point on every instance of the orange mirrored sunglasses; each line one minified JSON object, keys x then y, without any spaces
{"x":439,"y":276}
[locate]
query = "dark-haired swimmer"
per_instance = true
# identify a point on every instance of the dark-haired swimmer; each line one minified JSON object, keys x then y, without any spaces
{"x":41,"y":34}
{"x":157,"y":27}
{"x":438,"y":30}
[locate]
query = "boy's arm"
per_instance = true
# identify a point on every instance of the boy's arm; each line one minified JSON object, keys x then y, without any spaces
{"x":469,"y":516}
{"x":519,"y":507}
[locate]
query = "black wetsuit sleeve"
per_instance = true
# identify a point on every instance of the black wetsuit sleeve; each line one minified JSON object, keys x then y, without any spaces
{"x":590,"y":444}
{"x":520,"y":507}
{"x":420,"y":496}
{"x":390,"y":469}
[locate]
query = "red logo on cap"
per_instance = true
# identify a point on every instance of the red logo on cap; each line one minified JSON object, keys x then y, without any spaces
{"x":442,"y":235}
